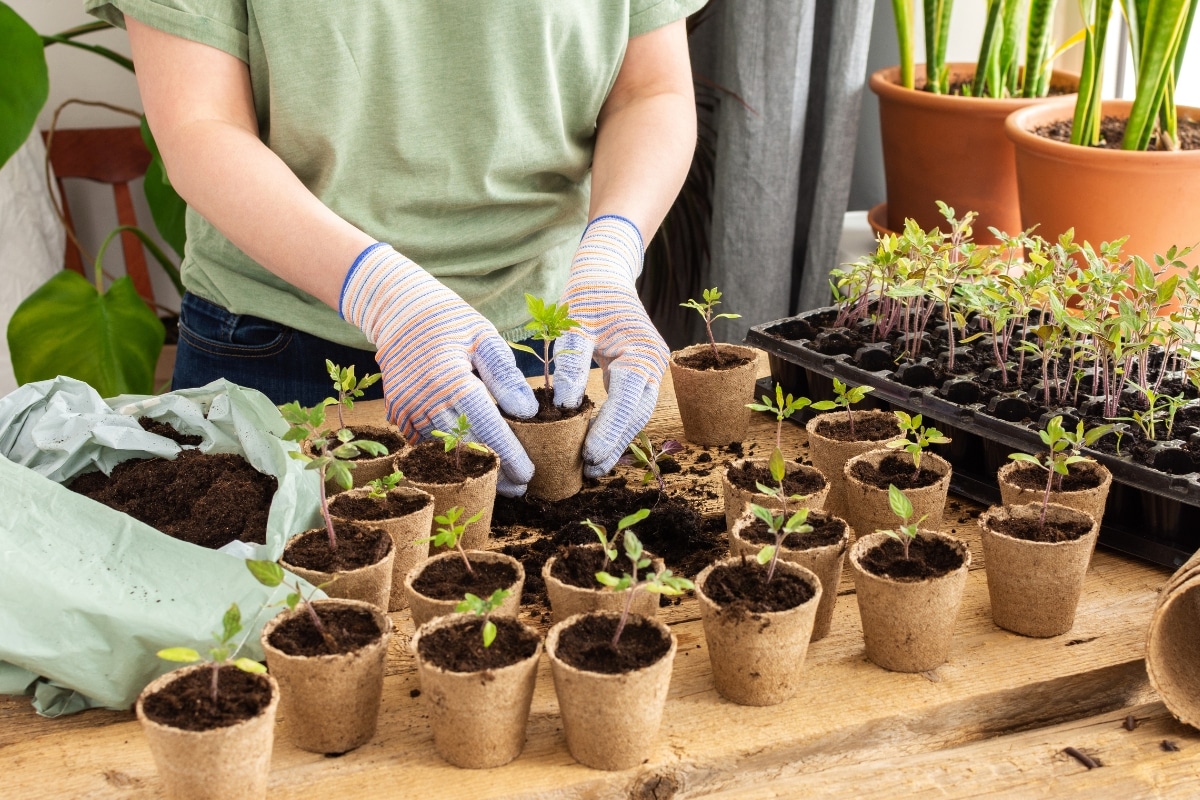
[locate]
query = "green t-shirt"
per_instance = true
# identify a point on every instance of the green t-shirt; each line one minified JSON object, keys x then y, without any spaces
{"x":459,"y":131}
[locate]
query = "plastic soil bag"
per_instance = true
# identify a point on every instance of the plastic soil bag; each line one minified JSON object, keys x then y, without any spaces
{"x":88,"y":594}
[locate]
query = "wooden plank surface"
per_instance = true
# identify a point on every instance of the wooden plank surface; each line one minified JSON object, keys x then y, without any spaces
{"x":993,"y":720}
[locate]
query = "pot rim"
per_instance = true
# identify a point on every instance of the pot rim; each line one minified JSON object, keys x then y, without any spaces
{"x":288,"y":613}
{"x":1090,"y":464}
{"x":419,"y":485}
{"x":739,"y":349}
{"x":943,"y":466}
{"x":748,"y":516}
{"x":362,"y":491}
{"x":867,"y":541}
{"x":1019,"y":125}
{"x":557,"y":628}
{"x":828,"y":416}
{"x":790,"y":467}
{"x":655,"y":561}
{"x":374,"y":565}
{"x":992,"y":512}
{"x":167,"y":678}
{"x":455,"y":619}
{"x":807,"y":574}
{"x":884,"y":83}
{"x":491,"y":555}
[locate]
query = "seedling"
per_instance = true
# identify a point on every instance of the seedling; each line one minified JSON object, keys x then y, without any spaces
{"x":656,"y":582}
{"x":329,"y":452}
{"x":1064,"y":451}
{"x":221,"y":653}
{"x":472,"y":604}
{"x":906,"y":531}
{"x":644,"y":455}
{"x":1154,"y":413}
{"x":844,"y":397}
{"x":270,"y":574}
{"x":455,"y":439}
{"x":347,"y":387}
{"x":782,"y":408}
{"x":610,"y":546}
{"x":712,"y":298}
{"x":780,"y":529}
{"x":922,"y":437}
{"x":549,"y":322}
{"x":450,"y":535}
{"x":378,"y":488}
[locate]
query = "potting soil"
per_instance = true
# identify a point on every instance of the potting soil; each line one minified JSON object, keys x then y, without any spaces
{"x":449,"y":579}
{"x":548,"y":412}
{"x":1033,"y":478}
{"x":744,"y":589}
{"x":187,"y":702}
{"x":428,"y":462}
{"x":350,"y":629}
{"x":459,"y":648}
{"x":705,"y":360}
{"x":874,"y":429}
{"x":927,"y":558}
{"x":826,"y":530}
{"x":369,"y":509}
{"x":897,"y":470}
{"x":358,"y":545}
{"x":588,"y":645}
{"x":748,"y":476}
{"x":1030,"y":529}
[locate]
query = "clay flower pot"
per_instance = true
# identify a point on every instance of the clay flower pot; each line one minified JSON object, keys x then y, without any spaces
{"x":1089,"y":501}
{"x":371,"y":584}
{"x":229,"y":763}
{"x":829,"y":455}
{"x":567,"y":600}
{"x":949,"y":148}
{"x":491,"y":704}
{"x":330,"y":702}
{"x":824,"y":561}
{"x":712,"y":402}
{"x":756,"y":656}
{"x":1035,"y":586}
{"x":405,"y":531}
{"x":867,"y":508}
{"x":610,"y":720}
{"x":474,"y":493}
{"x":1151,"y":197}
{"x":908,"y":626}
{"x":1172,"y":647}
{"x":425,"y":608}
{"x":556,"y":450}
{"x":737,"y":497}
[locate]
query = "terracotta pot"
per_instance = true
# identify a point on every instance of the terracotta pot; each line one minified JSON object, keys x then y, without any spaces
{"x":1035,"y":586}
{"x":610,"y":721}
{"x":556,"y":449}
{"x":824,"y":562}
{"x":1089,"y":501}
{"x":949,"y":148}
{"x":867,"y":508}
{"x":371,"y":584}
{"x":567,"y":600}
{"x":425,"y":608}
{"x":330,"y":702}
{"x":757,"y":658}
{"x":736,"y":497}
{"x":712,"y":403}
{"x":474,"y":495}
{"x":908,"y":626}
{"x":1151,"y":197}
{"x":1172,"y":647}
{"x":493,"y":705}
{"x":405,"y":531}
{"x":830,"y":455}
{"x":230,"y":763}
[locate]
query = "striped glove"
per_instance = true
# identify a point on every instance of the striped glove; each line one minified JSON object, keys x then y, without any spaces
{"x":614,"y":330}
{"x":428,"y":339}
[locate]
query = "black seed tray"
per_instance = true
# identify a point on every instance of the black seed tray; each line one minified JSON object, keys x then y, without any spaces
{"x":1150,"y":514}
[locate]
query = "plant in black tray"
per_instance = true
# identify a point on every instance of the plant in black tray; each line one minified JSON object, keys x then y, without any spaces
{"x":783,"y":408}
{"x":221,"y":654}
{"x":455,"y":440}
{"x":643,"y":453}
{"x":712,"y":298}
{"x":844,"y":397}
{"x":922,"y":438}
{"x":661,"y":582}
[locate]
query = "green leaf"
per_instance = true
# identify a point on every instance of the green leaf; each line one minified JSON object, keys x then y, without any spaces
{"x":185,"y":655}
{"x":24,"y":81}
{"x":231,"y":623}
{"x":899,"y":503}
{"x":268,"y":573}
{"x":633,"y":519}
{"x":293,"y":600}
{"x":249,"y":665}
{"x":166,"y":206}
{"x":608,"y":580}
{"x":111,"y":340}
{"x":489,"y":633}
{"x":776,"y":465}
{"x":523,"y":348}
{"x":766,"y":554}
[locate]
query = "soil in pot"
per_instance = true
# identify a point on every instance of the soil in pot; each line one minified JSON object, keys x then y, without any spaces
{"x":369,"y":509}
{"x":748,"y":474}
{"x":206,"y":499}
{"x":548,"y":412}
{"x":743,"y":590}
{"x":1112,"y":132}
{"x":459,"y":648}
{"x":186,"y":703}
{"x":895,"y":469}
{"x":406,"y":514}
{"x":1033,"y":478}
{"x":429,"y":462}
{"x":705,"y":360}
{"x":587,"y":644}
{"x":358,"y":545}
{"x":349,"y":629}
{"x":390,"y":439}
{"x":826,"y":530}
{"x":927,"y":558}
{"x":1031,"y":530}
{"x":867,"y":427}
{"x":449,"y":579}
{"x":572,"y":587}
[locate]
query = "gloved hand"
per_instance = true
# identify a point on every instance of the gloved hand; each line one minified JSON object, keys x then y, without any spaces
{"x":615,"y":330}
{"x":427,"y":341}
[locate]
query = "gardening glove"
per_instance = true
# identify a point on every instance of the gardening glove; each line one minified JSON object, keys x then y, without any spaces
{"x":615,"y":330}
{"x":428,"y":340}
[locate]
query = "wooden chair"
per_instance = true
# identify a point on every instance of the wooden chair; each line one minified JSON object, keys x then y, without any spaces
{"x":114,"y":156}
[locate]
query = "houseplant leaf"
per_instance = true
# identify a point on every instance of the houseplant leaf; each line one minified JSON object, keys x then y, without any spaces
{"x":24,"y":81}
{"x":66,"y":327}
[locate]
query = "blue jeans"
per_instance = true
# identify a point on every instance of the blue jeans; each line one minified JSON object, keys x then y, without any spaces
{"x":281,"y":362}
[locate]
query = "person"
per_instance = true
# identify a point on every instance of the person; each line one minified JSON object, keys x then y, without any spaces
{"x":389,"y":178}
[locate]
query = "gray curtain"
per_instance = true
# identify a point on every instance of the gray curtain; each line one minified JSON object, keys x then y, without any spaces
{"x":784,"y":165}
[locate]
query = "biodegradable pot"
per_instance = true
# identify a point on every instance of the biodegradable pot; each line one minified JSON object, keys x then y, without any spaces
{"x":949,"y":148}
{"x":825,"y":562}
{"x":867,"y":508}
{"x":367,"y":468}
{"x":756,"y":658}
{"x":567,"y":600}
{"x":473,"y":494}
{"x":712,"y":402}
{"x":610,"y":721}
{"x":426,"y":608}
{"x":371,"y":584}
{"x":405,"y":531}
{"x":1172,"y":647}
{"x":1035,"y":586}
{"x":330,"y":702}
{"x":556,"y":449}
{"x":908,"y":626}
{"x":1089,"y":501}
{"x":830,"y":455}
{"x":736,"y":498}
{"x":492,"y":705}
{"x":230,"y":763}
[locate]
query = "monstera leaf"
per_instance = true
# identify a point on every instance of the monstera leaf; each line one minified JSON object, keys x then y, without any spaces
{"x":24,"y":82}
{"x":109,"y":339}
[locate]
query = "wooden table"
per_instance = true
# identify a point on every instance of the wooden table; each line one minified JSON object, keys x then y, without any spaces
{"x":994,"y":720}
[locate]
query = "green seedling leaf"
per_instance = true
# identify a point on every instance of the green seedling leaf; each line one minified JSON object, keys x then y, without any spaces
{"x":249,"y":665}
{"x":765,"y":554}
{"x":900,"y":504}
{"x":184,"y":655}
{"x":268,"y":573}
{"x":489,"y":633}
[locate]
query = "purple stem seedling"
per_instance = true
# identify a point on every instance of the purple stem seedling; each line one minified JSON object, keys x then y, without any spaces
{"x":270,"y":574}
{"x":450,"y":535}
{"x":922,"y":438}
{"x":782,"y":408}
{"x":712,"y":298}
{"x":473,"y":604}
{"x":906,"y":531}
{"x":780,"y":529}
{"x":645,"y":456}
{"x":844,"y":397}
{"x":609,"y":546}
{"x":1064,"y":451}
{"x":347,"y":387}
{"x":221,"y":653}
{"x":455,"y":439}
{"x":658,"y":583}
{"x":377,"y":489}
